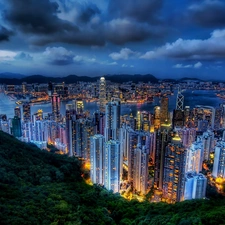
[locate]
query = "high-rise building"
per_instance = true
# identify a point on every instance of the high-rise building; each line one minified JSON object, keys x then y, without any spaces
{"x":164,"y":115}
{"x":179,"y":101}
{"x":178,"y":118}
{"x":112,"y":165}
{"x":156,"y":117}
{"x":112,"y":120}
{"x":143,"y":121}
{"x":187,"y":135}
{"x":208,"y":143}
{"x":26,"y":112}
{"x":56,"y":107}
{"x":102,"y":94}
{"x":78,"y":105}
{"x":194,"y":157}
{"x":174,"y":171}
{"x":163,"y":137}
{"x":17,"y":112}
{"x":195,"y":186}
{"x":140,"y":181}
{"x":97,"y":158}
{"x":16,"y":127}
{"x":219,"y":160}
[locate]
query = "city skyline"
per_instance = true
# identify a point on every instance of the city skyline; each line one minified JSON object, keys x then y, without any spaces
{"x":166,"y":38}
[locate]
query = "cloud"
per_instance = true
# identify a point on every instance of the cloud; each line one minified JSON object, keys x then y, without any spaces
{"x":125,"y":53}
{"x":23,"y":56}
{"x":208,"y":13}
{"x":212,"y":48}
{"x":81,"y":59}
{"x":58,"y":56}
{"x":5,"y":34}
{"x":7,"y":55}
{"x":181,"y":66}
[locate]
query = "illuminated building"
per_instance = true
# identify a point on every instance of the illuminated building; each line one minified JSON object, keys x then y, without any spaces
{"x":56,"y":107}
{"x":102,"y":94}
{"x":187,"y":135}
{"x":99,"y":120}
{"x":140,"y":180}
{"x":156,"y":117}
{"x":218,"y":118}
{"x":162,"y":137}
{"x":208,"y":143}
{"x":78,"y":105}
{"x":24,"y":87}
{"x":219,"y":160}
{"x":194,"y":157}
{"x":179,"y":101}
{"x":112,"y":120}
{"x":195,"y":186}
{"x":112,"y":165}
{"x":143,"y":121}
{"x":97,"y":149}
{"x":26,"y":112}
{"x":174,"y":171}
{"x":17,"y":112}
{"x":164,"y":115}
{"x":203,"y":125}
{"x":16,"y":127}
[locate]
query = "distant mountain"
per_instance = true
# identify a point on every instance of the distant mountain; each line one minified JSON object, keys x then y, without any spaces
{"x":11,"y":75}
{"x":74,"y":78}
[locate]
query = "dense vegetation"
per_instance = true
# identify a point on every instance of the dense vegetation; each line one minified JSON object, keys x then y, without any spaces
{"x":37,"y":187}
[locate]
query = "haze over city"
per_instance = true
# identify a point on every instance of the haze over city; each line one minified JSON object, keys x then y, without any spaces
{"x":166,"y":38}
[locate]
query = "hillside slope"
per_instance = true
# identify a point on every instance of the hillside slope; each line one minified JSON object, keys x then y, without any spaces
{"x":37,"y":187}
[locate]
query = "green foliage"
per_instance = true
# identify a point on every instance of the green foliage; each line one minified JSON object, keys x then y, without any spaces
{"x":38,"y":187}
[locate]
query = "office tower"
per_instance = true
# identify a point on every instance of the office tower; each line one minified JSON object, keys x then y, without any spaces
{"x":187,"y":135}
{"x":203,"y":125}
{"x":99,"y":120}
{"x":194,"y":157}
{"x":208,"y":144}
{"x":195,"y":186}
{"x":112,"y":165}
{"x":164,"y":115}
{"x":174,"y":171}
{"x":219,"y":160}
{"x":143,"y":121}
{"x":102,"y":94}
{"x":17,"y":112}
{"x":218,"y":118}
{"x":178,"y":118}
{"x":204,"y":113}
{"x":163,"y":137}
{"x":140,"y":181}
{"x":26,"y":112}
{"x":78,"y":105}
{"x":27,"y":131}
{"x":179,"y":101}
{"x":56,"y":107}
{"x":112,"y":120}
{"x":97,"y":149}
{"x":24,"y":87}
{"x":16,"y":127}
{"x":156,"y":117}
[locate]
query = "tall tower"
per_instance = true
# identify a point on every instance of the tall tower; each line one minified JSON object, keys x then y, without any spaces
{"x":164,"y":109}
{"x":97,"y":146}
{"x":174,"y":171}
{"x":16,"y":127}
{"x":112,"y":120}
{"x":17,"y":112}
{"x":102,"y":94}
{"x":180,"y":100}
{"x":56,"y":107}
{"x":26,"y":112}
{"x":112,"y":165}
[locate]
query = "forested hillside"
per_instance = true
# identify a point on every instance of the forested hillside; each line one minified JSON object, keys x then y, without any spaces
{"x":37,"y":187}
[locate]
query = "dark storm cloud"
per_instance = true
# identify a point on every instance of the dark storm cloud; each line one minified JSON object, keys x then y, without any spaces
{"x":209,"y":13}
{"x":5,"y":34}
{"x":83,"y":23}
{"x":143,"y":10}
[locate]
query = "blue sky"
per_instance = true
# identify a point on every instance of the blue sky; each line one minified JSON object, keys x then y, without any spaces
{"x":167,"y":38}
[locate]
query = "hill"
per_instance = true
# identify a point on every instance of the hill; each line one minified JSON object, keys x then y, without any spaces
{"x":38,"y":187}
{"x":74,"y":79}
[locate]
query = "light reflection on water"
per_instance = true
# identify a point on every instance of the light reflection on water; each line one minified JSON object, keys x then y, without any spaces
{"x":192,"y":98}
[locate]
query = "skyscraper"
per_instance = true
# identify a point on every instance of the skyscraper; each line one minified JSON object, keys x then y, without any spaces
{"x":16,"y":127}
{"x":97,"y":157}
{"x":179,"y":101}
{"x":17,"y":112}
{"x":164,"y":109}
{"x":174,"y":171}
{"x":112,"y":165}
{"x":102,"y":94}
{"x":112,"y":120}
{"x":26,"y":112}
{"x":56,"y":107}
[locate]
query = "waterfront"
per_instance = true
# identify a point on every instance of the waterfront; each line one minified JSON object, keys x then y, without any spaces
{"x":191,"y":98}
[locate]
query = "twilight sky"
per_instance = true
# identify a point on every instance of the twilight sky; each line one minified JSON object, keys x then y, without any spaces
{"x":167,"y":38}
